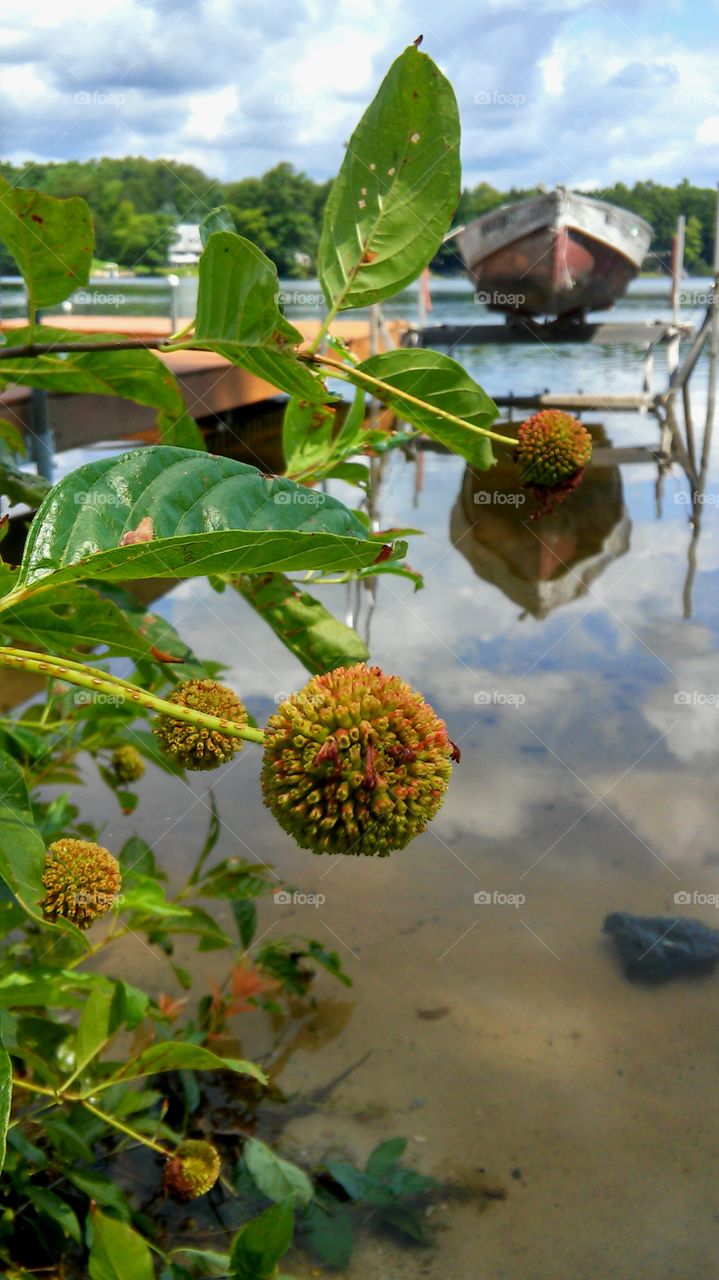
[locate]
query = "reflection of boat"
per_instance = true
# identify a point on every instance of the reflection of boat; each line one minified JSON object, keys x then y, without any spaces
{"x":555,"y":254}
{"x":543,"y":564}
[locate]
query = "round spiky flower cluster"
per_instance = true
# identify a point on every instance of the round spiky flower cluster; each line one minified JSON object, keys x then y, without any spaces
{"x":127,"y":764}
{"x":192,"y":1170}
{"x":193,"y":745}
{"x":551,"y":447}
{"x":356,"y":762}
{"x":82,"y":881}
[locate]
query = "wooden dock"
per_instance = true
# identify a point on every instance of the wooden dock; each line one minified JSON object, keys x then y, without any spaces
{"x":211,"y":385}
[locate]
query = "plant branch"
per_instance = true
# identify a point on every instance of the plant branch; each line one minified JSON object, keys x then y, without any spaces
{"x":125,"y":1128}
{"x":55,"y":348}
{"x":357,"y":375}
{"x":100,"y":682}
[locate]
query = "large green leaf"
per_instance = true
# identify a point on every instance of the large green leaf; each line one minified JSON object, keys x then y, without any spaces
{"x":259,"y":1245}
{"x":182,"y":1056}
{"x":74,"y":618}
{"x":176,"y":513}
{"x":51,"y":240}
{"x":444,"y":384}
{"x":117,"y":1251}
{"x":22,"y":852}
{"x":5,"y":1101}
{"x":137,"y":375}
{"x":276,"y":1178}
{"x":238,"y":316}
{"x":305,"y":627}
{"x":397,"y":190}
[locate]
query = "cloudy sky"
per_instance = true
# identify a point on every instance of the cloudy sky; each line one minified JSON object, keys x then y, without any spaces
{"x":549,"y":90}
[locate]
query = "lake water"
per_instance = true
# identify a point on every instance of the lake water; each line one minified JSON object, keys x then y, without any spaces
{"x":570,"y":1112}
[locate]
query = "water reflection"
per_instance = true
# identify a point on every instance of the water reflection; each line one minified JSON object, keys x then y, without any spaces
{"x":544,"y":565}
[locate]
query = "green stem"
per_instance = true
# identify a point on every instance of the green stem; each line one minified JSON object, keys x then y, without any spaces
{"x":323,"y":329}
{"x":36,"y":1088}
{"x":125,"y":1128}
{"x":101,"y":682}
{"x":354,"y":375}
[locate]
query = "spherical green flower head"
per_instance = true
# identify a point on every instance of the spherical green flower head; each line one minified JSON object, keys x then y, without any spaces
{"x":356,"y":762}
{"x":192,"y":1171}
{"x":82,"y":881}
{"x":127,"y":764}
{"x":194,"y":746}
{"x":551,"y":446}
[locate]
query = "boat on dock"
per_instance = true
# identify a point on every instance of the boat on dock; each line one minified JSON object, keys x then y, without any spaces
{"x":560,"y":254}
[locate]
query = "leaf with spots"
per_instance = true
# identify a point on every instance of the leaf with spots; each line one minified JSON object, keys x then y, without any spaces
{"x":397,"y":190}
{"x":206,"y":514}
{"x":51,"y":240}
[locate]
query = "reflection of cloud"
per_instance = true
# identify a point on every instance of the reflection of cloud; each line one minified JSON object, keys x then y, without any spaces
{"x":677,"y":818}
{"x":686,"y":708}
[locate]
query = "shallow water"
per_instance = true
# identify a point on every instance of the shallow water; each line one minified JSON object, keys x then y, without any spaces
{"x":554,"y":650}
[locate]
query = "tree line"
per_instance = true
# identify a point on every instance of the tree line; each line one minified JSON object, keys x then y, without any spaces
{"x":136,"y":204}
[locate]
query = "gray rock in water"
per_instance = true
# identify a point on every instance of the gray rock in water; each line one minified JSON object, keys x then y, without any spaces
{"x":658,"y":948}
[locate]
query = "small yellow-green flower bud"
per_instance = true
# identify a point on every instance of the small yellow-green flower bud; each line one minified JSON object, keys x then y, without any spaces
{"x":82,"y":881}
{"x":127,"y":764}
{"x":193,"y":745}
{"x":192,"y":1171}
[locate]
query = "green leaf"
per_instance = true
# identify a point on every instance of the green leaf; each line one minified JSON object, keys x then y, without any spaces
{"x":96,"y":1026}
{"x":330,"y":1234}
{"x":385,"y":1157}
{"x":307,"y":436}
{"x":259,"y":1245}
{"x":76,"y":617}
{"x":397,"y":190}
{"x":305,"y":627}
{"x":117,"y":1251}
{"x":52,"y":1206}
{"x":219,"y":219}
{"x":22,"y":486}
{"x":184,"y":514}
{"x":444,"y":384}
{"x":22,"y":852}
{"x":5,"y":1101}
{"x":238,"y":316}
{"x":245,"y":913}
{"x":276,"y":1178}
{"x":137,"y":375}
{"x":100,"y":1189}
{"x":181,"y":1056}
{"x":51,"y":240}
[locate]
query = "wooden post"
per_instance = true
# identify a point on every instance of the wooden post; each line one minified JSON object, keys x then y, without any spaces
{"x":678,"y":265}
